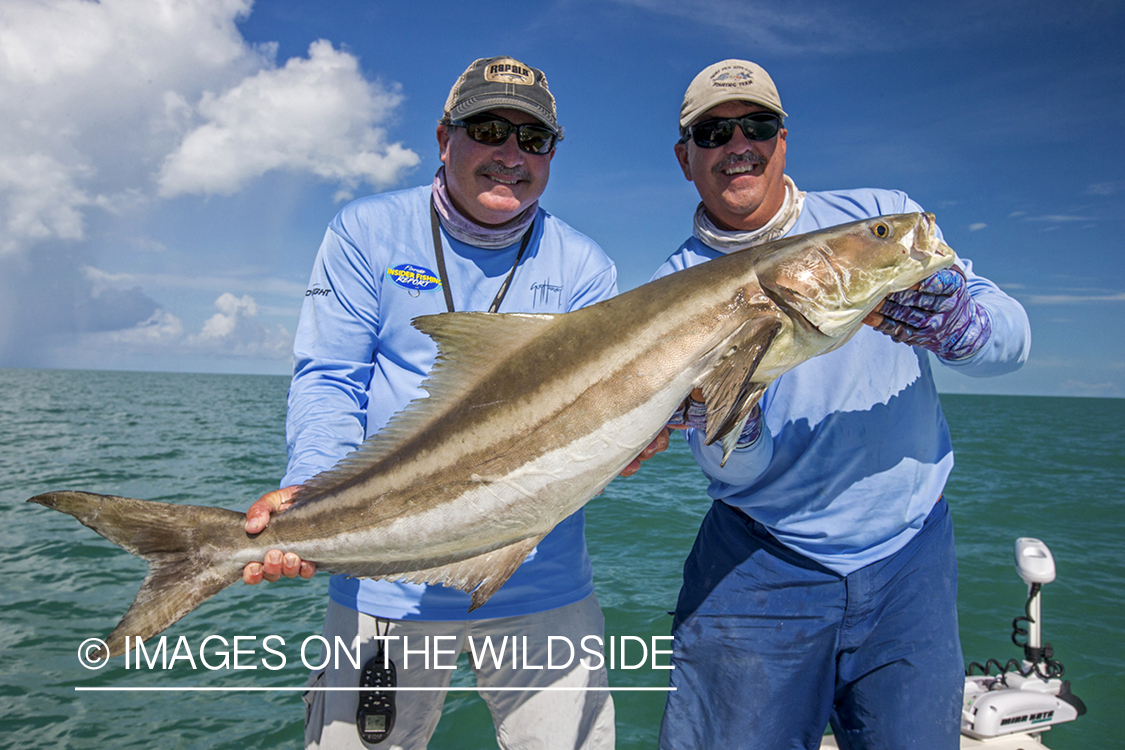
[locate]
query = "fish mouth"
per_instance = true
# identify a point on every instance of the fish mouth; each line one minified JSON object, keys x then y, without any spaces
{"x":926,"y":245}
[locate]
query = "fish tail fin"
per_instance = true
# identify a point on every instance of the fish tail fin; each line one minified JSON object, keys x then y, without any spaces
{"x":187,"y":548}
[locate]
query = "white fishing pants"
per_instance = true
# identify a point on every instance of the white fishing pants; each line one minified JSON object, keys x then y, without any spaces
{"x":579,"y":719}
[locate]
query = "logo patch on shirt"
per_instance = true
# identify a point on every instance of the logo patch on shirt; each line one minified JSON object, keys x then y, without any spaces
{"x":545,"y":291}
{"x":414,"y":278}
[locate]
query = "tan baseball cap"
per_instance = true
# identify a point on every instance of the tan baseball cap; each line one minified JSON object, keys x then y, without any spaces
{"x":502,"y":83}
{"x":729,"y":80}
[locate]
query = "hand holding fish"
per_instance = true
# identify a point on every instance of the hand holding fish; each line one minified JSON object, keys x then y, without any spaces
{"x":276,"y":563}
{"x":659,"y":444}
{"x":937,"y":314}
{"x":693,"y":414}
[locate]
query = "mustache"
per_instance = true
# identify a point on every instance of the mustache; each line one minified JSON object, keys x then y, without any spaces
{"x":518,"y":172}
{"x":748,"y":158}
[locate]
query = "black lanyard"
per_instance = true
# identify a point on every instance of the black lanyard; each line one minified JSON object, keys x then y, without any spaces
{"x":445,"y":276}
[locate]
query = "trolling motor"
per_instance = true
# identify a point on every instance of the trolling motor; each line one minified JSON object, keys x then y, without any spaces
{"x":1027,"y":696}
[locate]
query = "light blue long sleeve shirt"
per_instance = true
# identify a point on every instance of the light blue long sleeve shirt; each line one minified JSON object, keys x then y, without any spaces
{"x":855,"y":450}
{"x":358,"y":361}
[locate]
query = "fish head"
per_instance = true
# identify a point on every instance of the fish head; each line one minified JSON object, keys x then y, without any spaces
{"x":834,"y":281}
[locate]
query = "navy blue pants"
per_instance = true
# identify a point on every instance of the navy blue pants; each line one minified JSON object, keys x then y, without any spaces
{"x":770,"y":647}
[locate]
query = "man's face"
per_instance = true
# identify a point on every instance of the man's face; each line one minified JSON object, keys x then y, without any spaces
{"x":492,"y":184}
{"x":740,"y":182}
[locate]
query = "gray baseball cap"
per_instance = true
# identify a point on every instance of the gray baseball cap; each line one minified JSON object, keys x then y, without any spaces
{"x":502,"y":83}
{"x":726,"y":81}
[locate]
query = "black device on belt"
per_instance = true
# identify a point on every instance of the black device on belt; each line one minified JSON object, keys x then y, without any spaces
{"x":375,"y":716}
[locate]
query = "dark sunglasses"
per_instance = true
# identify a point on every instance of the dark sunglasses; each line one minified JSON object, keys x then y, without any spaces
{"x":493,"y":130}
{"x":759,"y":126}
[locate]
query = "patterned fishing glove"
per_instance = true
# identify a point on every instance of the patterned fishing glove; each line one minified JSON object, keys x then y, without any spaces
{"x":939,"y":316}
{"x":694,"y":414}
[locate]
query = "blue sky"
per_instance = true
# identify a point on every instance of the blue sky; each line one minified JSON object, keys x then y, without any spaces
{"x":167,"y":168}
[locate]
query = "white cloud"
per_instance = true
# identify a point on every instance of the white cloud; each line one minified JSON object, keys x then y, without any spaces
{"x":796,"y":28}
{"x":236,"y":330}
{"x":100,"y":100}
{"x":232,"y":331}
{"x":223,"y":324}
{"x":977,"y":227}
{"x":1059,"y":218}
{"x":162,"y":329}
{"x":1104,"y":188}
{"x":82,"y":98}
{"x":313,"y":115}
{"x":1069,"y":299}
{"x":263,"y":284}
{"x":42,"y":199}
{"x":53,"y":42}
{"x":811,"y":27}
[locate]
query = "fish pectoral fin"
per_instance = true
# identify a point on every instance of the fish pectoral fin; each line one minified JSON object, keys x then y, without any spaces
{"x":480,"y":576}
{"x":729,"y":439}
{"x":728,"y":389}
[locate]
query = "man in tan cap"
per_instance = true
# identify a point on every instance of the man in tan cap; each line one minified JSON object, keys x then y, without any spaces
{"x":385,"y":260}
{"x":822,"y":587}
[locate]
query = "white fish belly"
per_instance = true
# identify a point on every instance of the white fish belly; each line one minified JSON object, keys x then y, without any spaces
{"x":527,"y":501}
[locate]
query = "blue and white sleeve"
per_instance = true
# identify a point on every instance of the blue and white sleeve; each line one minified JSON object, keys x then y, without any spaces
{"x":333,"y":359}
{"x":1009,"y":344}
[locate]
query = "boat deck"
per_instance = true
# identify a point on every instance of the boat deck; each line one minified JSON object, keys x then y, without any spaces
{"x":1018,"y":741}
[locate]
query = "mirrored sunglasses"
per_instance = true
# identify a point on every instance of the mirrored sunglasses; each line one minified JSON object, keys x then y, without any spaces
{"x":493,"y":130}
{"x":759,"y":126}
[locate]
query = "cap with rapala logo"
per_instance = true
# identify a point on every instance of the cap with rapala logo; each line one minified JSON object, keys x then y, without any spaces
{"x":502,"y":83}
{"x":510,"y":71}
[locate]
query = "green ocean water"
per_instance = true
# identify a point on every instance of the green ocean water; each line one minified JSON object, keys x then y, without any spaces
{"x":1052,"y":468}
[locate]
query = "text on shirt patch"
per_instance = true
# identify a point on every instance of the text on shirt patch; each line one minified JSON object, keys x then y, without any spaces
{"x":414,"y":278}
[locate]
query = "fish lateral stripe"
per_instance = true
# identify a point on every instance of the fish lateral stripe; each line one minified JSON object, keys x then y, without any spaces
{"x":522,"y":429}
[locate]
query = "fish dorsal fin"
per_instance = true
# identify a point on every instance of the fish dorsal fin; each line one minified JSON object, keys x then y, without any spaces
{"x":470,"y":345}
{"x":728,"y":390}
{"x":480,"y":576}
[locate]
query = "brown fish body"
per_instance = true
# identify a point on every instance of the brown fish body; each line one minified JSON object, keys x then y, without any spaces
{"x":528,"y":417}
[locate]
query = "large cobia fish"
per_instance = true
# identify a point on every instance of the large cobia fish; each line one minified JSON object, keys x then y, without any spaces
{"x":528,"y":417}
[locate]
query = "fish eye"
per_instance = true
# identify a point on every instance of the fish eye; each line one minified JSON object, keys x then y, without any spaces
{"x":881,"y":230}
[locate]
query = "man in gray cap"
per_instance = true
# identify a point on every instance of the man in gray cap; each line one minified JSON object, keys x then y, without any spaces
{"x":822,"y":587}
{"x":475,"y":239}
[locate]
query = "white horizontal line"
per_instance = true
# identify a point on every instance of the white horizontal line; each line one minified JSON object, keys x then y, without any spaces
{"x":451,"y":689}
